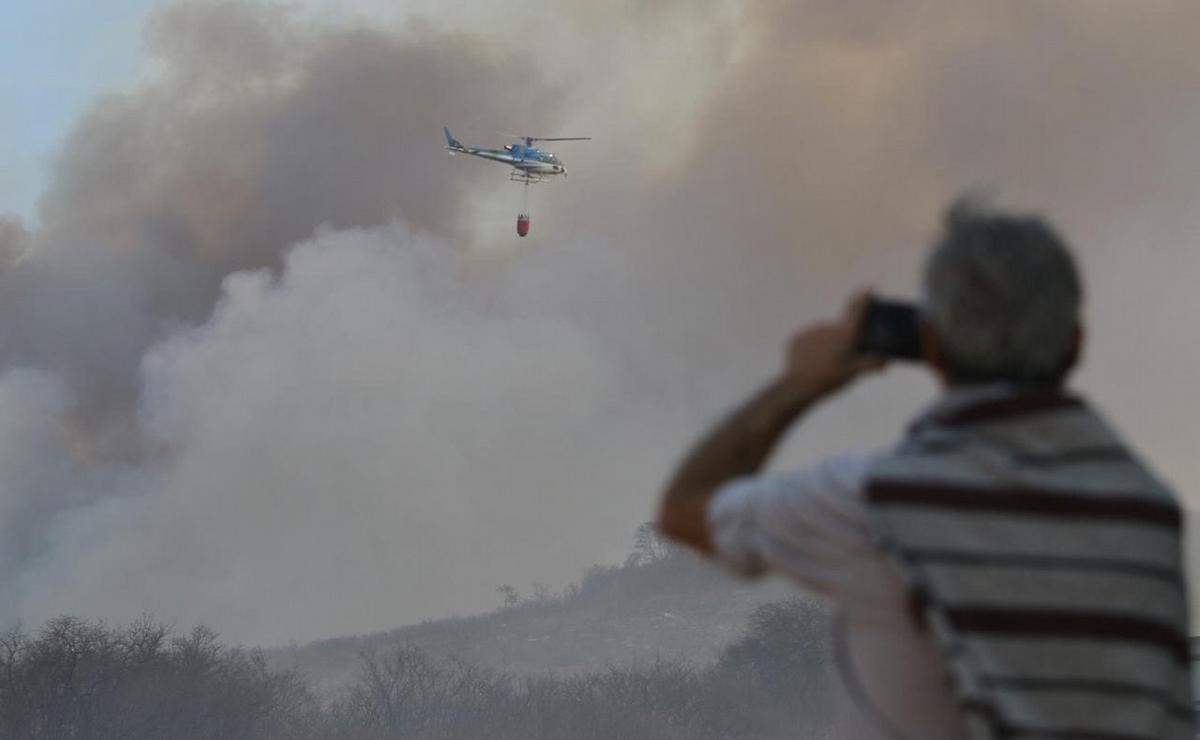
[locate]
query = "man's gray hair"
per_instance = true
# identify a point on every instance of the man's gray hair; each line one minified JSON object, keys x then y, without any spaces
{"x":1003,"y":295}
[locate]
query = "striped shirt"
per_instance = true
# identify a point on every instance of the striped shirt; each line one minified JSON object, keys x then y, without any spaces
{"x":1009,"y":570}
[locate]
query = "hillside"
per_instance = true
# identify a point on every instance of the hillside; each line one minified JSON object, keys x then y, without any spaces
{"x":661,"y":604}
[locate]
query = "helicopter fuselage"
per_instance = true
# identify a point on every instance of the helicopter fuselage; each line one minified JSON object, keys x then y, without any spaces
{"x":529,"y":163}
{"x":527,"y":159}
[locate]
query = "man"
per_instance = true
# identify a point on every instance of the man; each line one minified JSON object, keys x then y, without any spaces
{"x":1010,"y":569}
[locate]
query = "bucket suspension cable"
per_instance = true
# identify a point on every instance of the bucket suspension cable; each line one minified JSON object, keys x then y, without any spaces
{"x":523,"y":216}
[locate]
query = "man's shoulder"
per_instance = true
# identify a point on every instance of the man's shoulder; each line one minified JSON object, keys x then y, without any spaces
{"x":843,"y":471}
{"x":807,"y":521}
{"x":834,"y":483}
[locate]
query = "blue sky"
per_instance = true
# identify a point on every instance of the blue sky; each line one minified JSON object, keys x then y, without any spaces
{"x":57,"y":56}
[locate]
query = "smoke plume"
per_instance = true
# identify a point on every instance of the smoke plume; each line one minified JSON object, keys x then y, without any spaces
{"x":272,"y":362}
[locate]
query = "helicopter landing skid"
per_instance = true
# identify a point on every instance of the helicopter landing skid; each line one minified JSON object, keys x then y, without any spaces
{"x":526,"y":178}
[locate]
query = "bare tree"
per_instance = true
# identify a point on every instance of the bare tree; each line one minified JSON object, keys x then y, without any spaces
{"x":510,"y":596}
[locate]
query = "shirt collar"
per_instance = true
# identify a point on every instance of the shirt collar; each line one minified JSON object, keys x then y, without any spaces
{"x":968,"y":402}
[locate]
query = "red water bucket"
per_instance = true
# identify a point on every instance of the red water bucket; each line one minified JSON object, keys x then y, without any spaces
{"x":523,"y":224}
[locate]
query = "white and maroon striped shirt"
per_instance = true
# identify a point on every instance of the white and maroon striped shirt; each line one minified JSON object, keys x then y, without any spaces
{"x":1009,"y":570}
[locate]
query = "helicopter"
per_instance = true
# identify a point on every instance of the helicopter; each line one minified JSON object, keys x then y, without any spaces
{"x":530,"y":164}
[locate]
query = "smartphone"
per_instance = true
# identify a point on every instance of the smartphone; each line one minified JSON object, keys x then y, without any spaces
{"x":889,"y":329}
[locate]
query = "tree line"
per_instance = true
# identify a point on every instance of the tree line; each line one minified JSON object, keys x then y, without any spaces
{"x":82,"y":680}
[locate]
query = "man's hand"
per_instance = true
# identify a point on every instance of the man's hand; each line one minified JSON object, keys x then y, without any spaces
{"x":821,"y":358}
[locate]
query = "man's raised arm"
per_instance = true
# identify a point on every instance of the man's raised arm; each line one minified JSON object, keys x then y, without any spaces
{"x":820,"y":360}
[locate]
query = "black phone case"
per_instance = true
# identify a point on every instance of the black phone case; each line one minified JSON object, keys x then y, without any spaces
{"x":889,"y":329}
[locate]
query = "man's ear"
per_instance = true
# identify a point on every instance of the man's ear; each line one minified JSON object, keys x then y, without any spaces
{"x":931,"y":350}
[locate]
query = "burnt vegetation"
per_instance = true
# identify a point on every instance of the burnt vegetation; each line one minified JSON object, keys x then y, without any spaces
{"x":80,"y":679}
{"x":86,"y":680}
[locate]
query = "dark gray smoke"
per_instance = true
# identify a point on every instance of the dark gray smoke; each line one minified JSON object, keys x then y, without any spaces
{"x":272,"y":361}
{"x":256,"y":132}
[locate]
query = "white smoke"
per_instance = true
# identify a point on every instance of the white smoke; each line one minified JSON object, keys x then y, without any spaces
{"x":350,"y":438}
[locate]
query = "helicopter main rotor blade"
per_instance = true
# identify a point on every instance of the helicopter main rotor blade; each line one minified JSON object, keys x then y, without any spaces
{"x":530,"y":139}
